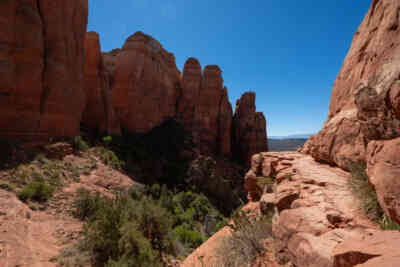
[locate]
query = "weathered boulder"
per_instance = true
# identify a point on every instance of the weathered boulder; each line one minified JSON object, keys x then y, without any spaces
{"x":41,"y":68}
{"x":383,"y":169}
{"x":146,"y":84}
{"x":365,"y":98}
{"x":98,"y":114}
{"x":249,"y":129}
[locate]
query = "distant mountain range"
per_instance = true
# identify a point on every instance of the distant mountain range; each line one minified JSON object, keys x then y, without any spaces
{"x":293,"y":136}
{"x":289,"y":144}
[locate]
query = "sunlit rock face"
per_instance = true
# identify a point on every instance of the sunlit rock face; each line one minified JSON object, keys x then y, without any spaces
{"x":146,"y":84}
{"x":41,"y":68}
{"x":365,"y":98}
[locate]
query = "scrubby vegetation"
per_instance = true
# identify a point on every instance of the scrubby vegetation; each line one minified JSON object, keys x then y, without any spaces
{"x":143,"y":226}
{"x":38,"y":179}
{"x":249,"y":232}
{"x":365,"y":191}
{"x":38,"y":191}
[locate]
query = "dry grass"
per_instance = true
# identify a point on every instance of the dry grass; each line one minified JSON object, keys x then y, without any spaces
{"x":366,"y":193}
{"x":247,"y":240}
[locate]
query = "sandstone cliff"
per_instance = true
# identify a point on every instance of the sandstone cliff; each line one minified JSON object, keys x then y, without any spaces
{"x":41,"y":71}
{"x":98,"y":114}
{"x":148,"y":89}
{"x":365,"y":98}
{"x":54,"y":78}
{"x":249,"y":129}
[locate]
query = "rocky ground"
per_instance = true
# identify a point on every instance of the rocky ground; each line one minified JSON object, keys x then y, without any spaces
{"x":318,"y":221}
{"x":34,"y":235}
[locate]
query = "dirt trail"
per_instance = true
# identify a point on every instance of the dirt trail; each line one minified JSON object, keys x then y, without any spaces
{"x":333,"y":183}
{"x":35,"y":238}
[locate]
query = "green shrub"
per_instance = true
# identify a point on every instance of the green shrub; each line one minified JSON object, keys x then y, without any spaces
{"x":109,"y":158}
{"x":107,"y":140}
{"x":387,"y":224}
{"x":141,"y":226}
{"x":125,"y":231}
{"x":37,"y":191}
{"x":79,"y":144}
{"x":189,"y":238}
{"x":86,"y":205}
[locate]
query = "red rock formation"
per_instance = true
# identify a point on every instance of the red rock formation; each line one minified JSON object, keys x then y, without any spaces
{"x":41,"y":74}
{"x":249,"y":129}
{"x":191,"y":83}
{"x":98,"y":114}
{"x":204,"y":108}
{"x":365,"y":98}
{"x":211,"y":108}
{"x":146,"y":84}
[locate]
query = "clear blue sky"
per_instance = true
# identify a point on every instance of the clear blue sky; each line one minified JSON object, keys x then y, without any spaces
{"x":288,"y":52}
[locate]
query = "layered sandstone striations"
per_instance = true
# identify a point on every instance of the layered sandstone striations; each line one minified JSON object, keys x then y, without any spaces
{"x":98,"y":114}
{"x":41,"y":67}
{"x":365,"y":98}
{"x":249,"y":129}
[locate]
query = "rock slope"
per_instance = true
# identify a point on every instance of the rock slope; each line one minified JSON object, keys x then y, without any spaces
{"x":365,"y":98}
{"x":317,"y":222}
{"x":35,"y":237}
{"x":364,"y":122}
{"x":317,"y":219}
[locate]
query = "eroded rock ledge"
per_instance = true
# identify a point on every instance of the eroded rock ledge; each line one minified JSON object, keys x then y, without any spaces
{"x":318,"y":222}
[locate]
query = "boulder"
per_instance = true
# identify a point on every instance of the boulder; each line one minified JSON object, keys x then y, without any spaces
{"x":365,"y":98}
{"x":98,"y":114}
{"x":41,"y":70}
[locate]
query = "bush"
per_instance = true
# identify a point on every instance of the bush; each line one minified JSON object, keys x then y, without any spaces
{"x":246,"y":241}
{"x":79,"y":144}
{"x":37,"y":191}
{"x":109,"y":158}
{"x":86,"y":205}
{"x":123,"y":231}
{"x":366,"y":193}
{"x":190,"y":238}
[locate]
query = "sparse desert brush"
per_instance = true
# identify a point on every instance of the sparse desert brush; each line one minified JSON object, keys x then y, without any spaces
{"x":38,"y":191}
{"x":366,"y":193}
{"x":246,"y":241}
